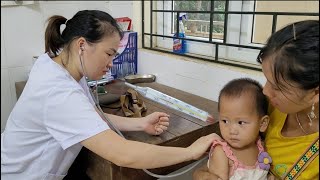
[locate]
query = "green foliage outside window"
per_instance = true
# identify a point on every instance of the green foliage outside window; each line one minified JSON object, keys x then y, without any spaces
{"x":202,"y":6}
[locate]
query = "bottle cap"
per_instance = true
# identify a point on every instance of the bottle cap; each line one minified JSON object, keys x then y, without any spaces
{"x":183,"y":16}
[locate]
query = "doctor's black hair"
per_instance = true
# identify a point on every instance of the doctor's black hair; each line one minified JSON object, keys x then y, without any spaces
{"x":294,"y":51}
{"x":246,"y":86}
{"x":93,"y":25}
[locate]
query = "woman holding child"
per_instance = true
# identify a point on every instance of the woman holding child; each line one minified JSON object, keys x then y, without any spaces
{"x":290,"y":63}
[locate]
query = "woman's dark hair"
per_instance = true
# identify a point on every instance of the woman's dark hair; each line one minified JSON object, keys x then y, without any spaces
{"x":238,"y":87}
{"x":295,"y":52}
{"x":92,"y":25}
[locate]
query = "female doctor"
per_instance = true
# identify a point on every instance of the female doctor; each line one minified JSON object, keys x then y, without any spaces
{"x":55,"y":115}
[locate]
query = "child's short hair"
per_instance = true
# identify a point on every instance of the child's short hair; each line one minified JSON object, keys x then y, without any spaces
{"x":238,"y":87}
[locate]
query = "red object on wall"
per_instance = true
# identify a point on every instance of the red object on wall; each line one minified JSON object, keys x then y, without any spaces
{"x":125,"y":23}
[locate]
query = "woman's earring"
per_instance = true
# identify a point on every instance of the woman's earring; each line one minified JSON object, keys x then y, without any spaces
{"x":311,"y":115}
{"x":81,"y":49}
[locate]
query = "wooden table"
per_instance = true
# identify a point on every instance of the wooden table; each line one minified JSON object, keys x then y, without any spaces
{"x":183,"y":130}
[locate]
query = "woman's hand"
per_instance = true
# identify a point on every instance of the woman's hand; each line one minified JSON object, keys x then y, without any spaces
{"x":271,"y":176}
{"x":200,"y":146}
{"x":156,"y":123}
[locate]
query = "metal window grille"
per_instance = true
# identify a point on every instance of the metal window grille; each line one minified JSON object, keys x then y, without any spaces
{"x":274,"y":15}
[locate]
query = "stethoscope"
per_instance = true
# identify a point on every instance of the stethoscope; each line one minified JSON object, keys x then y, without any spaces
{"x":95,"y":98}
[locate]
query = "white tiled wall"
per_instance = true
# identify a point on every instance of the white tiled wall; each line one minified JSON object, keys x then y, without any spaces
{"x":197,"y":77}
{"x":22,"y":37}
{"x":6,"y":96}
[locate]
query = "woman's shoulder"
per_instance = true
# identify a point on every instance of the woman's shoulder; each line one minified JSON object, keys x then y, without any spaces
{"x":46,"y":73}
{"x":43,"y":58}
{"x":270,"y":108}
{"x":275,"y":113}
{"x":277,"y":120}
{"x":273,"y":110}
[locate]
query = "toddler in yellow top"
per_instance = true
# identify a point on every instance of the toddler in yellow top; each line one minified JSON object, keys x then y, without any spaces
{"x":243,"y":112}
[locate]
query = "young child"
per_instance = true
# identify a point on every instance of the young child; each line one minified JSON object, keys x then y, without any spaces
{"x":242,"y":115}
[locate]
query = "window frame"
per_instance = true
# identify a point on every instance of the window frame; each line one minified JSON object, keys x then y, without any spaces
{"x":233,"y":45}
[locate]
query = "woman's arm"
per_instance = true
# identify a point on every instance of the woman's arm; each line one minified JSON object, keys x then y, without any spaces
{"x":156,"y":121}
{"x":203,"y":173}
{"x":133,"y":154}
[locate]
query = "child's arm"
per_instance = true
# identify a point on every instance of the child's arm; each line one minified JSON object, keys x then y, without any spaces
{"x":203,"y":173}
{"x":219,"y":163}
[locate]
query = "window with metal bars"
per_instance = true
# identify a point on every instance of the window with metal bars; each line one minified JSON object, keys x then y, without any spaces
{"x":222,"y":31}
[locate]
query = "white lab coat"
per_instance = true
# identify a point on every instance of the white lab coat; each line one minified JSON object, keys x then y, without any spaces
{"x":52,"y":116}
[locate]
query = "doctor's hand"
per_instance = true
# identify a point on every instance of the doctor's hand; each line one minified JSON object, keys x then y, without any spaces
{"x":200,"y":146}
{"x":155,"y":123}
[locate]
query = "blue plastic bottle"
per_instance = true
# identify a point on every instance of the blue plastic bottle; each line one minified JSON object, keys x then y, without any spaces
{"x":180,"y":45}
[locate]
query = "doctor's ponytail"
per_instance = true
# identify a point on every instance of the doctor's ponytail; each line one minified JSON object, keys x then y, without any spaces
{"x":53,"y":38}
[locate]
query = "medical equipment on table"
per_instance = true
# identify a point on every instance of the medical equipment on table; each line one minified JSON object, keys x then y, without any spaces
{"x":112,"y":126}
{"x":118,"y":132}
{"x":140,"y":78}
{"x":98,"y":82}
{"x":170,"y":102}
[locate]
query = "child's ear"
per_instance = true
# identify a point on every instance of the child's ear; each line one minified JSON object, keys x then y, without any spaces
{"x":264,"y":123}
